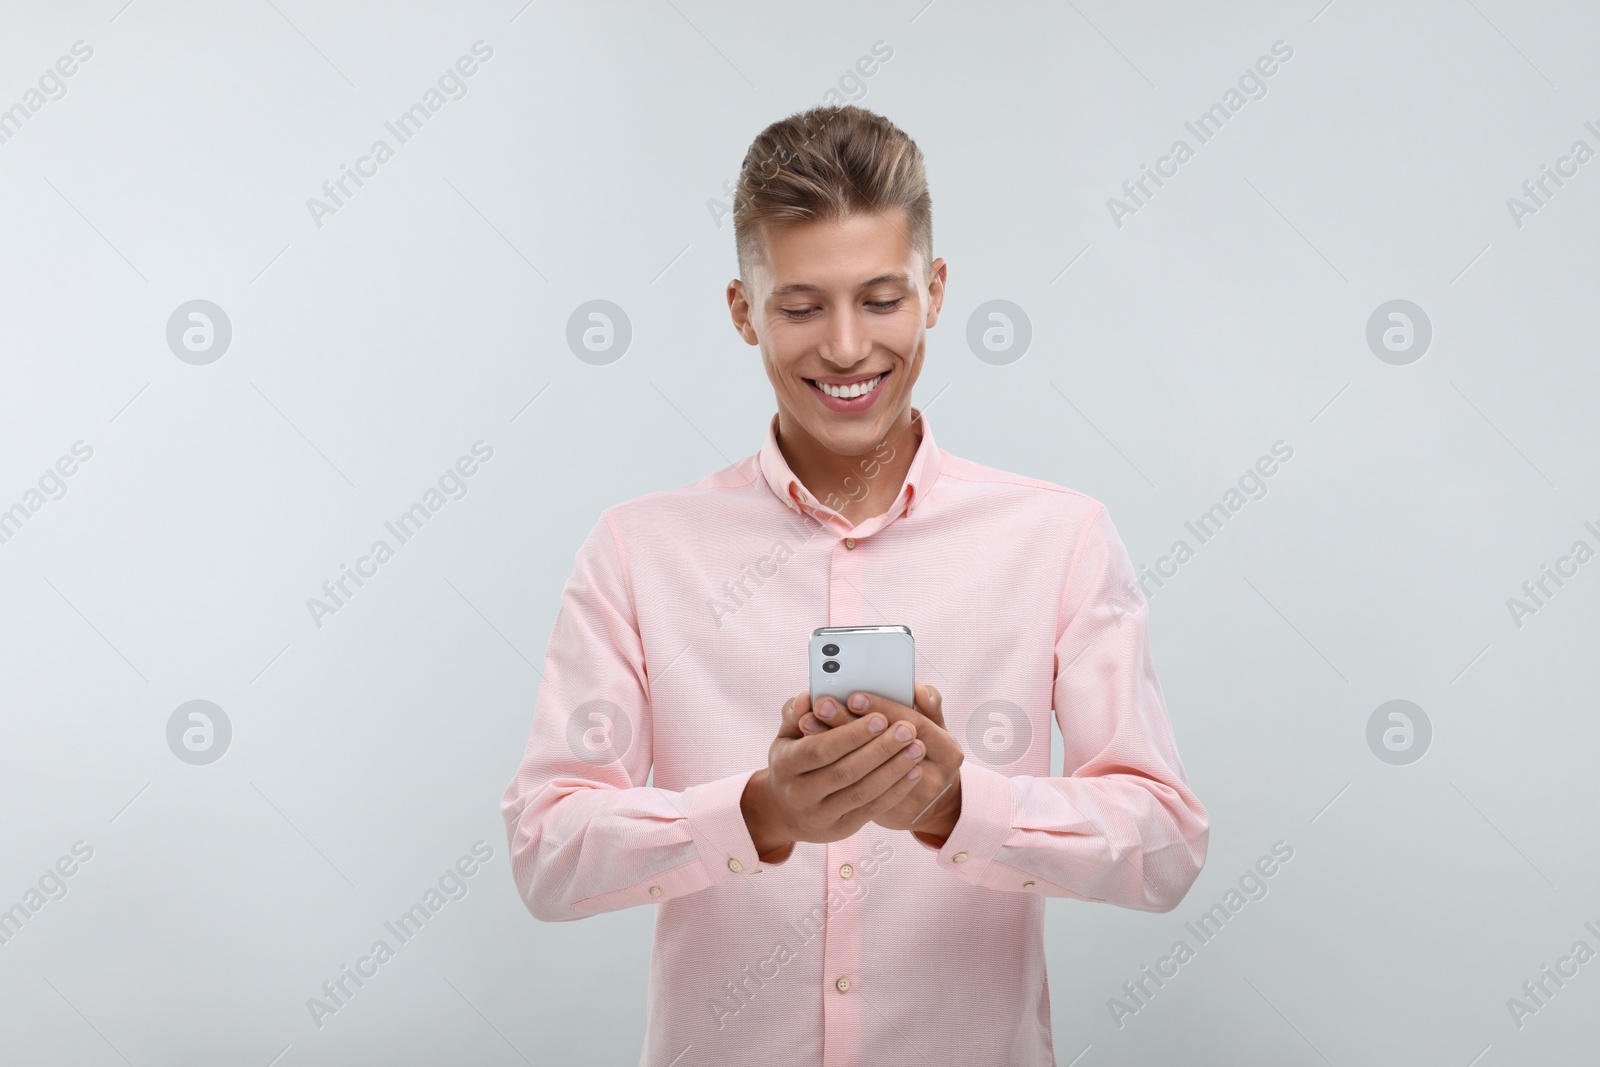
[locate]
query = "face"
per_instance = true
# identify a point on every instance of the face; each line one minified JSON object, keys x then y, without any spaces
{"x":841,"y":312}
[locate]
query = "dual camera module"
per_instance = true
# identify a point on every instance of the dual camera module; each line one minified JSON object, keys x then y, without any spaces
{"x":830,"y":665}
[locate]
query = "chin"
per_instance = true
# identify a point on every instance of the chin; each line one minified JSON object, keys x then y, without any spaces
{"x":852,"y":438}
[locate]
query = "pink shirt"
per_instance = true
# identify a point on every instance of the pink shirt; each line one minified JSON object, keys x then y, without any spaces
{"x":682,"y":631}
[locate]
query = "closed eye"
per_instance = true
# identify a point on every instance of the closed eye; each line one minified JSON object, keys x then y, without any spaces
{"x":805,"y":313}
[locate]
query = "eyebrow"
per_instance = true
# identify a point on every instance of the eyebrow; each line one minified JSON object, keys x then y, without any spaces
{"x":805,"y":287}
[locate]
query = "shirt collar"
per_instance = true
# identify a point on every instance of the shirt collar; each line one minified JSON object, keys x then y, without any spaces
{"x":787,"y":488}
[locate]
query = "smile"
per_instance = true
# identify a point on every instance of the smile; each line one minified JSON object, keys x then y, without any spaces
{"x":851,"y":391}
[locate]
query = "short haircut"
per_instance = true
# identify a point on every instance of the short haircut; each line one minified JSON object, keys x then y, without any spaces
{"x":826,"y":164}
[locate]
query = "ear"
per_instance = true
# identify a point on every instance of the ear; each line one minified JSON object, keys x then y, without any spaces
{"x":739,"y":309}
{"x":936,"y":280}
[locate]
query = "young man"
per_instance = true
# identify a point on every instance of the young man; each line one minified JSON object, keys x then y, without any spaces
{"x":867,"y":886}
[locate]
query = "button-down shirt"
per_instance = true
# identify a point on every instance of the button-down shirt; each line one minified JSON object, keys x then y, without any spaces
{"x":682,"y":631}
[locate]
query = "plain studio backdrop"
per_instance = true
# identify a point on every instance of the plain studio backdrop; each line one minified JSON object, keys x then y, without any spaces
{"x":1360,"y":259}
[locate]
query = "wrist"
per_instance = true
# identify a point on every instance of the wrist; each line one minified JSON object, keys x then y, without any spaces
{"x":941,"y":823}
{"x":761,"y":819}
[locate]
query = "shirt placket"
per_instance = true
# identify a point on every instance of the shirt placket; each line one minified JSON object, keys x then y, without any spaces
{"x":841,"y":953}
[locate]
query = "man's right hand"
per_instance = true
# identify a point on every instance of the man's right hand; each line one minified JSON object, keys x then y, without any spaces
{"x":826,"y":786}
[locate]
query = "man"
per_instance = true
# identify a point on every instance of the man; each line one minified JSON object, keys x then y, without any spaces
{"x":867,"y":886}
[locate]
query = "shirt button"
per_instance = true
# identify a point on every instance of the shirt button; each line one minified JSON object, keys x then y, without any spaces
{"x":846,"y":871}
{"x":735,"y":866}
{"x":1027,"y":885}
{"x":959,"y":857}
{"x":655,"y":890}
{"x":849,"y":542}
{"x":843,"y":984}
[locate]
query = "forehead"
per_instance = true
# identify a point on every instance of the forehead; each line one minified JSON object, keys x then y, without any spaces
{"x":847,"y":253}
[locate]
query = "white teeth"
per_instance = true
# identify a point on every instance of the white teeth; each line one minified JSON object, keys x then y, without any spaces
{"x":847,"y":392}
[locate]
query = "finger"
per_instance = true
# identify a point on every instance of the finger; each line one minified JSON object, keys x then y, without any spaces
{"x":846,"y":773}
{"x":867,"y":703}
{"x":821,"y":749}
{"x":885,"y":789}
{"x":931,"y":785}
{"x":831,"y":712}
{"x":931,"y":703}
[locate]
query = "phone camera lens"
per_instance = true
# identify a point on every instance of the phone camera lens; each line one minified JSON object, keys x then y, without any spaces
{"x":830,"y":650}
{"x":831,"y":666}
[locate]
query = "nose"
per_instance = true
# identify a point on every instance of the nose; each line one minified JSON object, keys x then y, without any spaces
{"x":846,"y":343}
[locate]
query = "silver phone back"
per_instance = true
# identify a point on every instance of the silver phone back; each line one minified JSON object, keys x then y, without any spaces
{"x":871,"y":659}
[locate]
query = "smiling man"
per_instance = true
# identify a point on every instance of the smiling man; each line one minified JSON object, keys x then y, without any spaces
{"x":860,"y":885}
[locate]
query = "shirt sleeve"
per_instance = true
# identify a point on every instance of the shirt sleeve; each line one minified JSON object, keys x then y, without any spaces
{"x":1122,"y":825}
{"x":585,"y":834}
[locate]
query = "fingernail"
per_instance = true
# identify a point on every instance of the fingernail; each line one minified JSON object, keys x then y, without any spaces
{"x":903,"y":732}
{"x":859,"y":701}
{"x":876,"y":724}
{"x":914,"y":750}
{"x":825,"y":709}
{"x":914,"y":773}
{"x":808,"y":724}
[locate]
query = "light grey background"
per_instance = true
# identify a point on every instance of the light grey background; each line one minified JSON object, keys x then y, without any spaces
{"x":370,"y":352}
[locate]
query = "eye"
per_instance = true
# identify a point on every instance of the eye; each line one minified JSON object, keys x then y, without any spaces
{"x":886,"y":305}
{"x":802,"y":313}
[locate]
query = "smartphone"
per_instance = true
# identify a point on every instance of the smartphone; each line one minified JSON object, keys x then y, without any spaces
{"x":866,"y":659}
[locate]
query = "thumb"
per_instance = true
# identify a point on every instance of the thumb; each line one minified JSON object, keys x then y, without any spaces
{"x":793,"y":708}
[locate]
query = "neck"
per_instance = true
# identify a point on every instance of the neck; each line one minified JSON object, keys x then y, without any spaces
{"x":857,"y":487}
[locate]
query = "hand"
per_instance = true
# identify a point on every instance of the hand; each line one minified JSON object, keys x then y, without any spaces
{"x":830,"y":713}
{"x":826,"y":786}
{"x":932,"y":808}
